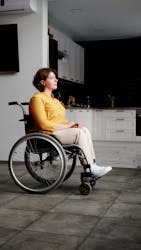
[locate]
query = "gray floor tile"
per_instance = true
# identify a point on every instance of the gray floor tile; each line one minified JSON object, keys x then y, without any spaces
{"x":129,"y":197}
{"x":6,"y":234}
{"x":102,"y":196}
{"x":42,"y":240}
{"x":65,"y":223}
{"x":134,"y":185}
{"x":94,"y":208}
{"x":109,"y":185}
{"x":17,"y":219}
{"x":100,"y":244}
{"x":117,"y":178}
{"x":11,"y":188}
{"x":4,"y":179}
{"x":123,"y":171}
{"x":118,"y":228}
{"x":124,"y":210}
{"x":6,"y":197}
{"x":34,"y":202}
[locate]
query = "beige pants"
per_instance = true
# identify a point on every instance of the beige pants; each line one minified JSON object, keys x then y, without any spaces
{"x":79,"y":136}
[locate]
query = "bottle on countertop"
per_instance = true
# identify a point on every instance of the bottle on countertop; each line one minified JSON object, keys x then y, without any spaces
{"x":88,"y":101}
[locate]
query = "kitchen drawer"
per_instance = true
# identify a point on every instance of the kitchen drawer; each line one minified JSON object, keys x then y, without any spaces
{"x":119,"y":134}
{"x":119,"y":114}
{"x":119,"y":123}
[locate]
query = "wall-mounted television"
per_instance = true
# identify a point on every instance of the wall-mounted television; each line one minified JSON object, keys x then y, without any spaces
{"x":9,"y":53}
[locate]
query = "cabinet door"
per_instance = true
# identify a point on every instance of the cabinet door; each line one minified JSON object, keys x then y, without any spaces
{"x":71,"y":67}
{"x":97,"y":125}
{"x":77,"y":63}
{"x":53,"y":54}
{"x":70,"y":114}
{"x":81,"y":68}
{"x":82,"y":116}
{"x":72,"y":63}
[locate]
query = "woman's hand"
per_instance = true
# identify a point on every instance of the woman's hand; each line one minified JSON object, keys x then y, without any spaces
{"x":74,"y":124}
{"x":70,"y":124}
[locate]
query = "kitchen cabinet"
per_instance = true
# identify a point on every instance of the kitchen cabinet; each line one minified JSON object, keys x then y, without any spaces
{"x":119,"y":125}
{"x":82,"y":116}
{"x":113,"y":133}
{"x":71,"y":66}
{"x":72,"y":62}
{"x":121,"y":154}
{"x":107,"y":125}
{"x":79,"y":64}
{"x":97,"y":125}
{"x":53,"y":50}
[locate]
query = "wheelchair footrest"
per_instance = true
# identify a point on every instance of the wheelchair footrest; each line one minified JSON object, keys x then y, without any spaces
{"x":88,"y":177}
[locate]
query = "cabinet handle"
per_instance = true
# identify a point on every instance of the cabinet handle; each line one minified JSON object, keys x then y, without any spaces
{"x":120,"y":119}
{"x":119,"y":110}
{"x":120,"y":131}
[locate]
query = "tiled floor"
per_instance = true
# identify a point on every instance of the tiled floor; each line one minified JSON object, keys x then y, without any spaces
{"x":108,"y":218}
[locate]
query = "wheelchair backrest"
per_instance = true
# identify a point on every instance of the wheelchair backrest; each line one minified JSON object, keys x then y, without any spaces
{"x":28,"y":120}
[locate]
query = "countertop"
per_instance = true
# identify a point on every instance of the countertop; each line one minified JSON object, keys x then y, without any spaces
{"x":106,"y":108}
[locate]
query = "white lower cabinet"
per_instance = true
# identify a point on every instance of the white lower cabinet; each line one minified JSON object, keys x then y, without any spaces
{"x":97,"y":125}
{"x":113,"y":133}
{"x":116,"y":144}
{"x":121,"y":154}
{"x":119,"y":125}
{"x":107,"y":125}
{"x":82,"y":116}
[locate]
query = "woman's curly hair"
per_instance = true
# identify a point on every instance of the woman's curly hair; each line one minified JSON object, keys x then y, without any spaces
{"x":40,"y":76}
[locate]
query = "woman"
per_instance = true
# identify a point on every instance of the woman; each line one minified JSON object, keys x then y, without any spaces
{"x":49,"y":117}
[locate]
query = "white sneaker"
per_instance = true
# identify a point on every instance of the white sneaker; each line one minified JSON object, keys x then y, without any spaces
{"x":99,"y":171}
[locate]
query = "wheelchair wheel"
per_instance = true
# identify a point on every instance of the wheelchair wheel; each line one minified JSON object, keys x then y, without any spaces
{"x":71,"y":163}
{"x":85,"y":188}
{"x":37,"y":163}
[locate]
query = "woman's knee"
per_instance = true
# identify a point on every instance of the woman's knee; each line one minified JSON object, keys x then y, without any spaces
{"x":80,"y":134}
{"x":86,"y":130}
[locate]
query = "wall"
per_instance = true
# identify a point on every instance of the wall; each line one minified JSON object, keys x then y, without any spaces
{"x":33,"y":48}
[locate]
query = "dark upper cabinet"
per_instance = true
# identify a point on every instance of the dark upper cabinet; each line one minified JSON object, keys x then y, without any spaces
{"x":53,"y":54}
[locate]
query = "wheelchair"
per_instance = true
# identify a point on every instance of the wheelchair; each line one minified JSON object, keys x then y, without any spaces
{"x":39,"y":163}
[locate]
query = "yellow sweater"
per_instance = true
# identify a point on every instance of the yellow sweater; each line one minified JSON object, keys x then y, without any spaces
{"x":47,"y":112}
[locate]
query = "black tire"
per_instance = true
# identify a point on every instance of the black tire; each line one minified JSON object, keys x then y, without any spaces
{"x":85,"y":188}
{"x":31,"y":173}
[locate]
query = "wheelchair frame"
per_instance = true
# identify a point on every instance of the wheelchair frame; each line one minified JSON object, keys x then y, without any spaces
{"x":39,"y":162}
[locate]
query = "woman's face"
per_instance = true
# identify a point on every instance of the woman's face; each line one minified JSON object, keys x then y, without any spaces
{"x":51,"y":81}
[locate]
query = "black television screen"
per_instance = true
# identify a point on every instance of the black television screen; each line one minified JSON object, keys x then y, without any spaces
{"x":9,"y":54}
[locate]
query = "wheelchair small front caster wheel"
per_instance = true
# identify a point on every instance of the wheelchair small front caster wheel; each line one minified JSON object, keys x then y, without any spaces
{"x":85,"y":188}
